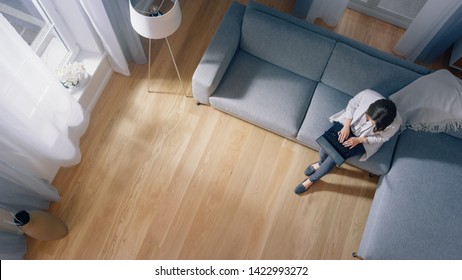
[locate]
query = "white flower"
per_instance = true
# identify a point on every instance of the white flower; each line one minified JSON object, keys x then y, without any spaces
{"x":71,"y":74}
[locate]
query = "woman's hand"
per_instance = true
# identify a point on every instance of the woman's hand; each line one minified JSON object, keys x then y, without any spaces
{"x":353,"y":141}
{"x":343,"y":134}
{"x":345,"y":131}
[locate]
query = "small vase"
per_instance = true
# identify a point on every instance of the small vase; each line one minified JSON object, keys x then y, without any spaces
{"x":41,"y":225}
{"x":71,"y":85}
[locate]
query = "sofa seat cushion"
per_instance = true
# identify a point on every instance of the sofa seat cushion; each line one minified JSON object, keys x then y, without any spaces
{"x":264,"y":94}
{"x":352,"y":71}
{"x":326,"y":102}
{"x":416,"y":212}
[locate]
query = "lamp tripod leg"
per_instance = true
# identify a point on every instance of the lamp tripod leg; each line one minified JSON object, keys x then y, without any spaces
{"x":149,"y":67}
{"x":176,"y":68}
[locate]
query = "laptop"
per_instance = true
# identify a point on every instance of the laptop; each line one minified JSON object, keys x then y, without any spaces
{"x":330,"y":144}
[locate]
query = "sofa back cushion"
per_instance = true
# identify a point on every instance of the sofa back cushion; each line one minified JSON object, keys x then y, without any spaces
{"x":284,"y":44}
{"x":351,"y":71}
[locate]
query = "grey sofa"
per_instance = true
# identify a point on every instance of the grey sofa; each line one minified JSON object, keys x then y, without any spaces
{"x":416,"y":212}
{"x":289,"y":76}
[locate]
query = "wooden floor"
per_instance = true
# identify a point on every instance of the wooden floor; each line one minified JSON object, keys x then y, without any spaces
{"x":162,"y":178}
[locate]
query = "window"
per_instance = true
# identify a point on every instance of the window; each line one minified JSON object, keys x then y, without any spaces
{"x":397,"y":12}
{"x":41,"y":26}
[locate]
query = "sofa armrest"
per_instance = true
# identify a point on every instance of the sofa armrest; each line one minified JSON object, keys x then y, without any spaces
{"x":218,"y":54}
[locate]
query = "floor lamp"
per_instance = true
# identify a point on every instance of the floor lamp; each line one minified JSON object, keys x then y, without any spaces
{"x":156,"y":19}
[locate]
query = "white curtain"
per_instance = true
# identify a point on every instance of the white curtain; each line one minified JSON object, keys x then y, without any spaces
{"x":330,"y":11}
{"x":40,"y":122}
{"x":129,"y":46}
{"x":98,"y":17}
{"x":431,"y":18}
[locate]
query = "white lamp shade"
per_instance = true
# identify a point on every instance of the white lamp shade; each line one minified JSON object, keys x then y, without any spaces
{"x":154,"y":27}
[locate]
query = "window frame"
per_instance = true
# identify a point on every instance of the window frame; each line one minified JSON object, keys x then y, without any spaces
{"x":55,"y":27}
{"x":60,"y":27}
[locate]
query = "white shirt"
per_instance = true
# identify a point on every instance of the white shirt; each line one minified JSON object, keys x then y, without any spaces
{"x":362,"y":127}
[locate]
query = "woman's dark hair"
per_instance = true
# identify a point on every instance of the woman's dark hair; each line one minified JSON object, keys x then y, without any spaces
{"x":383,"y":112}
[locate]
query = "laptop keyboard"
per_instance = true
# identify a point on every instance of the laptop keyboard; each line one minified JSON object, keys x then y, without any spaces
{"x":332,"y":138}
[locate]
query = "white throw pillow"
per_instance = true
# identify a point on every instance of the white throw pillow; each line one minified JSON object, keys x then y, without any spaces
{"x":431,"y":103}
